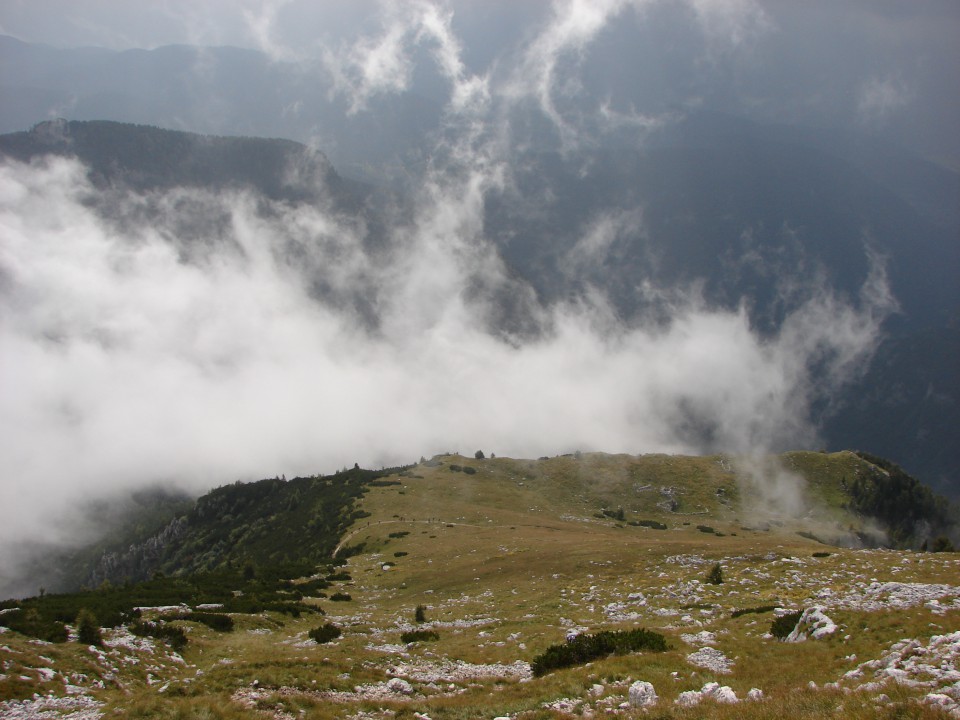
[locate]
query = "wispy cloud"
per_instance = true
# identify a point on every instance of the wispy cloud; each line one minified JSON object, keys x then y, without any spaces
{"x":880,"y":97}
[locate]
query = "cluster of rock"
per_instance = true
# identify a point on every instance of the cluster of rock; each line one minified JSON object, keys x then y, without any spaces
{"x":934,"y":666}
{"x":717,"y":693}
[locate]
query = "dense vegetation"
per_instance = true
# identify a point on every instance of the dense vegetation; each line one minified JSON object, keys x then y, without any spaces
{"x":324,"y":633}
{"x":268,"y":523}
{"x":909,"y":510}
{"x":586,"y":648}
{"x":45,"y":616}
{"x":782,"y":626}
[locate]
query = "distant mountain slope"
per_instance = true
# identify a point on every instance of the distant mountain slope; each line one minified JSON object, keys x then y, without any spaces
{"x":144,"y":158}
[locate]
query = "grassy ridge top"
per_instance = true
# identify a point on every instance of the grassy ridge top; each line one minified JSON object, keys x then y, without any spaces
{"x":495,"y":561}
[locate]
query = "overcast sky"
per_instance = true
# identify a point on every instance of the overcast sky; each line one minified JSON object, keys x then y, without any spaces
{"x":886,"y":66}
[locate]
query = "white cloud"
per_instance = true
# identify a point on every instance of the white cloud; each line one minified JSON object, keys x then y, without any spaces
{"x":879,"y":98}
{"x":123,"y":364}
{"x":384,"y":63}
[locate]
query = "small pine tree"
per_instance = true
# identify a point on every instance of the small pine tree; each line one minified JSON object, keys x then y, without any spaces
{"x":420,"y":615}
{"x":88,"y":631}
{"x":479,"y":455}
{"x":715,"y":576}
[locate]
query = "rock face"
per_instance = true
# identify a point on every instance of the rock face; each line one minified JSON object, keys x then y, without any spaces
{"x":813,"y":624}
{"x":642,"y":694}
{"x":399,"y":685}
{"x":711,"y":659}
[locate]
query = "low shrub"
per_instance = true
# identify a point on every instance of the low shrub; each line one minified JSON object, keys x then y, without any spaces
{"x":419,"y":636}
{"x":215,"y":621}
{"x":748,"y":611}
{"x":821,"y":554}
{"x":715,"y":576}
{"x":173,"y":636}
{"x":784,"y":625}
{"x":325,"y":633}
{"x":399,"y":534}
{"x":586,"y":648}
{"x":88,"y":630}
{"x":29,"y":622}
{"x":420,"y":614}
{"x":706,"y":529}
{"x":401,"y":553}
{"x":653,"y":524}
{"x":341,"y":597}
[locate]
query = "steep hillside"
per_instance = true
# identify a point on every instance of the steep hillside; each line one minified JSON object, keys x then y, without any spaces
{"x":269,"y":523}
{"x":467,"y":578}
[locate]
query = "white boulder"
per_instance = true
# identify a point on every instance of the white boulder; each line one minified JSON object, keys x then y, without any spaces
{"x":399,"y":685}
{"x":813,"y":623}
{"x":725,"y":694}
{"x":642,"y":694}
{"x":689,"y":698}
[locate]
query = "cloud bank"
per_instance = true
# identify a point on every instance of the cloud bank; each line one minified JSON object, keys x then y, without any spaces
{"x":125,"y":364}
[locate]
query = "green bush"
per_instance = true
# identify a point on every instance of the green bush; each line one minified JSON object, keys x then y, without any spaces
{"x":324,"y":633}
{"x":715,"y":576}
{"x":706,"y":529}
{"x":419,"y":636}
{"x":173,"y":636}
{"x":759,"y":609}
{"x":420,"y":614}
{"x":784,"y":625}
{"x":29,"y":622}
{"x":653,"y":524}
{"x":88,"y":630}
{"x":586,"y":648}
{"x":341,"y":597}
{"x":215,"y":621}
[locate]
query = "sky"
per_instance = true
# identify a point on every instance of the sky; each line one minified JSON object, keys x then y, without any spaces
{"x":882,"y":65}
{"x":122,"y":365}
